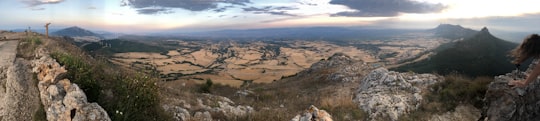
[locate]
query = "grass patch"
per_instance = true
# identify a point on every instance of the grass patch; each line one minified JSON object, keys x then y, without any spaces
{"x":27,"y":47}
{"x":447,"y":95}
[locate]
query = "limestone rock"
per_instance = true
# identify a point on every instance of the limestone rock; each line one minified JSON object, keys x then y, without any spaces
{"x":20,"y":100}
{"x":387,"y":95}
{"x":180,"y":110}
{"x":503,"y":103}
{"x":461,"y":113}
{"x":313,"y":114}
{"x":63,"y":100}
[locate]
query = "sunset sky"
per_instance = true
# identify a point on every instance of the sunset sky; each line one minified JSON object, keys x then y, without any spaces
{"x":135,"y":16}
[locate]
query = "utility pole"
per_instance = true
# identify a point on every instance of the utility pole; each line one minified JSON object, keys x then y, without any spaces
{"x":47,"y":29}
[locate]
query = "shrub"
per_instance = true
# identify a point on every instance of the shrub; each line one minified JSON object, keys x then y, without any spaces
{"x":205,"y":88}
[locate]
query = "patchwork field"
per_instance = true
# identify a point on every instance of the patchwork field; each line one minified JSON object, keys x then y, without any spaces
{"x":237,"y":63}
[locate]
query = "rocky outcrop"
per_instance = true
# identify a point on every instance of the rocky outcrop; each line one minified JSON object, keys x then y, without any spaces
{"x":62,"y":99}
{"x":20,"y":100}
{"x":386,"y":95}
{"x":345,"y":68}
{"x":313,"y":114}
{"x":203,"y":110}
{"x":504,"y":103}
{"x":461,"y":113}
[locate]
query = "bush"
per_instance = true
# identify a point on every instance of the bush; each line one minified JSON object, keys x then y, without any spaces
{"x":205,"y":88}
{"x":81,"y":73}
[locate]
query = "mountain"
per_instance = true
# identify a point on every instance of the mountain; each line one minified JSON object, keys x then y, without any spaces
{"x":79,"y":34}
{"x":74,"y":32}
{"x":480,"y":55}
{"x":453,"y":31}
{"x":308,"y":33}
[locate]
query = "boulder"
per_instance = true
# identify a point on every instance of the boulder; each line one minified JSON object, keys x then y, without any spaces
{"x":386,"y":95}
{"x":504,"y":103}
{"x":313,"y":114}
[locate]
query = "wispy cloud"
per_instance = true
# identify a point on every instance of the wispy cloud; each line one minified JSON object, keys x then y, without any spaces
{"x":154,"y":11}
{"x":273,"y":10}
{"x":33,"y":3}
{"x":37,"y":9}
{"x":149,"y":6}
{"x":385,"y":8}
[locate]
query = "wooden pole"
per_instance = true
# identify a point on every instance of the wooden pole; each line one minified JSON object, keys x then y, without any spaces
{"x":47,"y":29}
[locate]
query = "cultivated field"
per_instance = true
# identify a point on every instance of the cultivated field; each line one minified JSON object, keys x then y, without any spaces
{"x":236,"y":63}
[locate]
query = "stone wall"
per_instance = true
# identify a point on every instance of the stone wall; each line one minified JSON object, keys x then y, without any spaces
{"x":62,"y":99}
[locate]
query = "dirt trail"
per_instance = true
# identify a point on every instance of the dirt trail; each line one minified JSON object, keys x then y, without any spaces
{"x":7,"y":52}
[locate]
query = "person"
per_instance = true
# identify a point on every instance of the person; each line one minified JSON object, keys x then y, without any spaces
{"x":529,"y":48}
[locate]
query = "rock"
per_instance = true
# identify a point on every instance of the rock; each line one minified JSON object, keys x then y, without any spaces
{"x":63,"y":100}
{"x":21,"y":100}
{"x":461,"y":113}
{"x":313,"y":114}
{"x":204,"y":116}
{"x":502,"y":103}
{"x":180,"y":109}
{"x":387,"y":95}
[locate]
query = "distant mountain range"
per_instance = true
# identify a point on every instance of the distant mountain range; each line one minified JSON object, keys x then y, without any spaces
{"x":306,"y":33}
{"x":481,"y":54}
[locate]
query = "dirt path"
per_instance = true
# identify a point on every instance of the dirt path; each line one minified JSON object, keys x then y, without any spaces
{"x":7,"y":52}
{"x":7,"y":56}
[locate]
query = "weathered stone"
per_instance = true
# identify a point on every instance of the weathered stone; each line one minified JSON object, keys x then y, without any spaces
{"x":20,"y":101}
{"x":461,"y":113}
{"x":313,"y":114}
{"x":504,"y":103}
{"x":62,"y":99}
{"x":204,"y":116}
{"x":387,"y":95}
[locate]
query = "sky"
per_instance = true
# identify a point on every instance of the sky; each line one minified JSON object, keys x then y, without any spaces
{"x":136,"y":16}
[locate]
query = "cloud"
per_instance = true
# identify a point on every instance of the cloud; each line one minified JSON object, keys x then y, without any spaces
{"x":154,"y":11}
{"x":149,"y":6}
{"x":91,"y":8}
{"x":385,"y":8}
{"x":33,"y":3}
{"x":273,"y":10}
{"x":37,"y":9}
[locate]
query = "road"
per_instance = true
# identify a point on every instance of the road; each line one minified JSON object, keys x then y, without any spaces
{"x":7,"y":52}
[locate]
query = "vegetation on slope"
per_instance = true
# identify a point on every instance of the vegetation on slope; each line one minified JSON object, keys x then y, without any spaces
{"x":124,"y":94}
{"x":480,"y":55}
{"x":109,"y":47}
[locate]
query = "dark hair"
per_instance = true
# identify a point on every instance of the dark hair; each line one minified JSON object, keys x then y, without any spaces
{"x":530,"y":47}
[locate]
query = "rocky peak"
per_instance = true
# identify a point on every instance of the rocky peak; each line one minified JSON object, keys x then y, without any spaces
{"x":453,"y":31}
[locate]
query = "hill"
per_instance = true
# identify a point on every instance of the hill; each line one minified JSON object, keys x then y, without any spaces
{"x":79,"y":34}
{"x":480,"y":55}
{"x":453,"y":31}
{"x":74,"y":31}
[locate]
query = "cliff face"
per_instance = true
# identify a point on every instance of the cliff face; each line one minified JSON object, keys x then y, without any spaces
{"x":503,"y":103}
